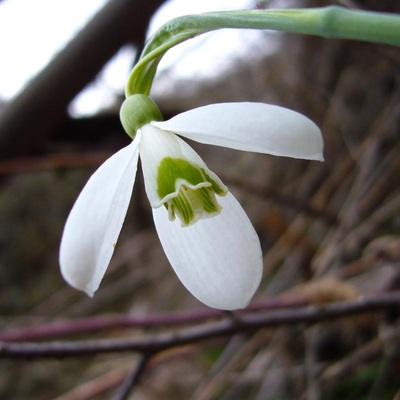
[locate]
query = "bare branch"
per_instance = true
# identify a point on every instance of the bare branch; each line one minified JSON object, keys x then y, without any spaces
{"x":132,"y":378}
{"x":151,"y":344}
{"x":109,"y":322}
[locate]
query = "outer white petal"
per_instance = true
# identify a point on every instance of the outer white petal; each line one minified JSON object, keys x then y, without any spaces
{"x":155,"y":144}
{"x":218,"y":259}
{"x":257,"y":127}
{"x":95,"y":221}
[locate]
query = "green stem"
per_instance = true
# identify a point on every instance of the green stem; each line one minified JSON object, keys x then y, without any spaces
{"x":328,"y":22}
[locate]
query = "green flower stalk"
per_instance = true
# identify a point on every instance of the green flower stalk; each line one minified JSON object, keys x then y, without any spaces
{"x":329,"y":22}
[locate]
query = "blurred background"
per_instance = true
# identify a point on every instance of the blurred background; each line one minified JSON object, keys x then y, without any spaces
{"x":329,"y":231}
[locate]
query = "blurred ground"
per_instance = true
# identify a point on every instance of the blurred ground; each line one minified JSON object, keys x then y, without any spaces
{"x":329,"y":231}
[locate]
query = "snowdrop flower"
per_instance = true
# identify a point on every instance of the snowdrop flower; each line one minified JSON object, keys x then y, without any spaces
{"x":205,"y":233}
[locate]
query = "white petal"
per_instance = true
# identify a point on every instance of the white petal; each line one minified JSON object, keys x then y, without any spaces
{"x":95,"y":221}
{"x":218,"y":259}
{"x":155,"y":145}
{"x":257,"y":127}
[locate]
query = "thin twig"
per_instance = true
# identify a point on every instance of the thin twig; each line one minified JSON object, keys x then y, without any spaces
{"x":52,"y":161}
{"x":313,"y":389}
{"x":161,"y":341}
{"x":132,"y":378}
{"x":280,"y":198}
{"x":103,"y":323}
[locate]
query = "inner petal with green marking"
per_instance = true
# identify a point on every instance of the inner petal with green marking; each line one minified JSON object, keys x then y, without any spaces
{"x":187,"y":190}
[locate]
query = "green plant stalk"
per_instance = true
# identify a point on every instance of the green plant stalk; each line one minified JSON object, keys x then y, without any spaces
{"x":329,"y":22}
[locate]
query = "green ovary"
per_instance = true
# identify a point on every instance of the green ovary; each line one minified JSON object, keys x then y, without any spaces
{"x":193,"y":190}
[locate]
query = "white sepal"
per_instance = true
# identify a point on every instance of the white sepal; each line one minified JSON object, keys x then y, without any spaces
{"x":95,"y":221}
{"x":219,"y":259}
{"x":257,"y":127}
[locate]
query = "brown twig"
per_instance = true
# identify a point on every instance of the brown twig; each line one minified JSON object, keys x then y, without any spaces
{"x":52,"y":161}
{"x":132,"y":378}
{"x":110,"y":322}
{"x":154,"y":343}
{"x":281,"y":198}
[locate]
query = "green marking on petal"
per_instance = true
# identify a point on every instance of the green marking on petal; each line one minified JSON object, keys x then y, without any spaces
{"x":188,"y":191}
